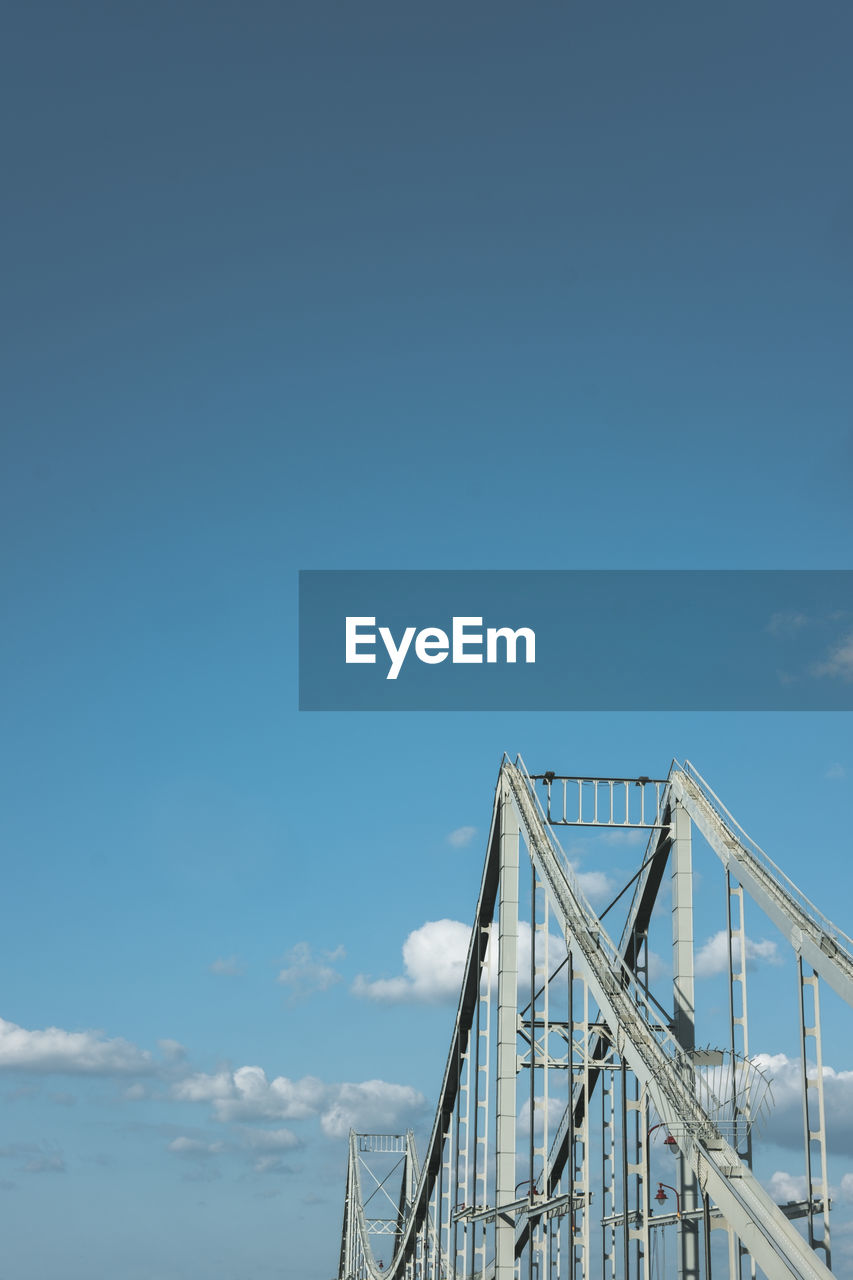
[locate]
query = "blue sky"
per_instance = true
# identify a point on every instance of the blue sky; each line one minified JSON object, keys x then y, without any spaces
{"x":334,"y":286}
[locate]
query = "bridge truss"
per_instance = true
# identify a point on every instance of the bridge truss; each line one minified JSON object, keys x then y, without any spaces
{"x":569,"y":1088}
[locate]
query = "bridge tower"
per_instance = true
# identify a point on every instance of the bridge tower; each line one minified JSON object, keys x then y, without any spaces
{"x":576,"y":1101}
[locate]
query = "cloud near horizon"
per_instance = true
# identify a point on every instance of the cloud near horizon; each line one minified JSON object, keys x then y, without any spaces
{"x":54,"y":1050}
{"x":246,"y":1094}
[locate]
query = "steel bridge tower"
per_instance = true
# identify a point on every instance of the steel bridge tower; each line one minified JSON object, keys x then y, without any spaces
{"x":569,"y":1087}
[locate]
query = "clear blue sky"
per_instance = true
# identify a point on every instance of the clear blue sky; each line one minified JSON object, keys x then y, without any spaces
{"x":361,"y":286}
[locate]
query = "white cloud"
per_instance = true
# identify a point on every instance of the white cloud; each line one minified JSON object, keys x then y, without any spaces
{"x":434,"y":958}
{"x":172,"y":1049}
{"x":434,"y":961}
{"x":264,"y":1146}
{"x":838,"y":662}
{"x":267,"y":1145}
{"x":228,"y":967}
{"x":604,"y":842}
{"x":271,"y":1164}
{"x":195,"y":1149}
{"x":556,"y":1108}
{"x":623,"y":835}
{"x":712,"y":957}
{"x":37,"y":1157}
{"x":246,"y":1094}
{"x":787,"y":623}
{"x":306,"y":974}
{"x":374,"y":1104}
{"x":203,"y":1088}
{"x":461,"y":836}
{"x":836,"y":771}
{"x":45,"y":1164}
{"x":787,"y":1186}
{"x":785,"y":1123}
{"x":784,"y":1187}
{"x":270,"y":1139}
{"x":596,"y":885}
{"x":70,"y":1052}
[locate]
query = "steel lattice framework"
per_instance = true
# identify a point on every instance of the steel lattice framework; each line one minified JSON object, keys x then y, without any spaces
{"x":540,"y":1162}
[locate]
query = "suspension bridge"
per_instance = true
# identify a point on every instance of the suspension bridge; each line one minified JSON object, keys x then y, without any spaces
{"x":584,"y":1128}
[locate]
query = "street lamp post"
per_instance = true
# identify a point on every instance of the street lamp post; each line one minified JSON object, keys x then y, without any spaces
{"x":662,"y":1196}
